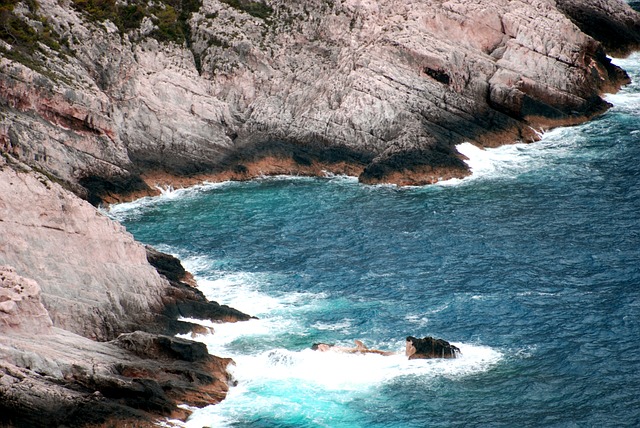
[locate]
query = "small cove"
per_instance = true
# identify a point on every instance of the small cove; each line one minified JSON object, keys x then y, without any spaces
{"x":531,"y":267}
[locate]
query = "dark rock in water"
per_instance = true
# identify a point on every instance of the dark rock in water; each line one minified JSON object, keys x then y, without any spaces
{"x":184,"y":300}
{"x":430,"y":347}
{"x":168,"y":266}
{"x":147,"y":345}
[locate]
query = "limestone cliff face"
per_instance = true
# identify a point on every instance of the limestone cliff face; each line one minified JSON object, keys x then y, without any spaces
{"x":94,"y":276}
{"x":381,"y":89}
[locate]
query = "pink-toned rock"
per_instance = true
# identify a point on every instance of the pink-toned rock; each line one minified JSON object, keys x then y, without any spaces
{"x":20,"y":305}
{"x":94,"y":276}
{"x":383,"y":89}
{"x":95,"y":279}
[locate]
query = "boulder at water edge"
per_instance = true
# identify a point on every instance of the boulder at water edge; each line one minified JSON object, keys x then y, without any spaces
{"x":430,"y":347}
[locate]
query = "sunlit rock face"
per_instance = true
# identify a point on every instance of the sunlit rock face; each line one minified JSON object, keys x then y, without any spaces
{"x":20,"y":305}
{"x":73,"y":286}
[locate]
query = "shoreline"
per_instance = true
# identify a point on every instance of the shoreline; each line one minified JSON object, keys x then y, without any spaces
{"x":424,"y":175}
{"x":118,"y":118}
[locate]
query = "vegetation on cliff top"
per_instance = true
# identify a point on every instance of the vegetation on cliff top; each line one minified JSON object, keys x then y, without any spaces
{"x":170,"y":17}
{"x":24,"y":30}
{"x":25,"y":33}
{"x":254,"y":8}
{"x":29,"y":37}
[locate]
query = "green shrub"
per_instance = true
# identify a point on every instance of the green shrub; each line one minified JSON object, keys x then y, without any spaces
{"x":22,"y":37}
{"x":98,"y":10}
{"x":253,"y":8}
{"x":170,"y":16}
{"x":131,"y":17}
{"x":169,"y":27}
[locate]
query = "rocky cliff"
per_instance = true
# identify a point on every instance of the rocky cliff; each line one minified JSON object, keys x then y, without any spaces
{"x":74,"y":286}
{"x":102,"y":100}
{"x":235,"y":89}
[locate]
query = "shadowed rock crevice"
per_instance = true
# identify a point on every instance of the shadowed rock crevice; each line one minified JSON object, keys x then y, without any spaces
{"x":432,"y":163}
{"x":100,"y":188}
{"x":304,"y":154}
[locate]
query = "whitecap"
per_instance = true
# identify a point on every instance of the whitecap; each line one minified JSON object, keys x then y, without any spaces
{"x":347,"y":372}
{"x":343,"y":326}
{"x":312,"y":378}
{"x":128,"y":210}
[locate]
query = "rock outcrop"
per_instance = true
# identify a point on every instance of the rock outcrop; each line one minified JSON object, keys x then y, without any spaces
{"x":74,"y":287}
{"x":63,"y":379}
{"x":95,"y":278}
{"x":430,"y":347}
{"x":380,"y":89}
{"x":20,"y":305}
{"x":612,"y":23}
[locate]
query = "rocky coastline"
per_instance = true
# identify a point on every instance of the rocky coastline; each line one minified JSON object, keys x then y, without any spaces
{"x":96,"y":108}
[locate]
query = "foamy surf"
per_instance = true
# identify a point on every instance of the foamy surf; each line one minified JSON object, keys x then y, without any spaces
{"x":347,"y":372}
{"x":281,"y":381}
{"x":508,"y":160}
{"x":128,"y":210}
{"x":512,"y":160}
{"x":273,"y":381}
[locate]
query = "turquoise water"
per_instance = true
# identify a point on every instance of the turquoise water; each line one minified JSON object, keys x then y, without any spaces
{"x":531,"y":266}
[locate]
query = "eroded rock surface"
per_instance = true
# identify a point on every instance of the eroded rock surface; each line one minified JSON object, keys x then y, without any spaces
{"x":63,"y":379}
{"x":613,"y":23}
{"x":74,"y":286}
{"x":20,"y":305}
{"x":95,"y":278}
{"x":380,"y":89}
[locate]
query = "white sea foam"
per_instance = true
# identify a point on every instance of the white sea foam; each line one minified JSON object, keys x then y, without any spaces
{"x":625,"y":100}
{"x":243,"y":292}
{"x":340,"y":177}
{"x":511,"y":160}
{"x":277,"y":313}
{"x":417,"y":320}
{"x":348,"y":372}
{"x":314,"y":378}
{"x":127,"y":210}
{"x":343,"y":326}
{"x":502,"y":161}
{"x":274,"y":378}
{"x":628,"y":97}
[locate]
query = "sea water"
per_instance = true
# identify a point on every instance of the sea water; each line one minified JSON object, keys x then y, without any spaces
{"x":531,"y":267}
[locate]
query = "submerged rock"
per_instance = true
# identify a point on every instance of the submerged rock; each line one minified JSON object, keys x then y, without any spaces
{"x":430,"y":347}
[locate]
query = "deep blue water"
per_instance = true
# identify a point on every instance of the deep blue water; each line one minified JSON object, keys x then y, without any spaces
{"x":531,"y":266}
